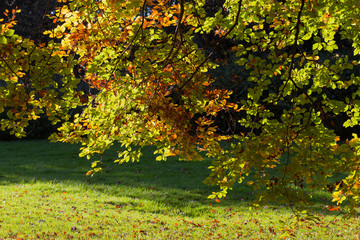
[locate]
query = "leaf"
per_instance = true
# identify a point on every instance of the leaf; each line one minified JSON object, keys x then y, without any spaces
{"x":3,"y":40}
{"x":94,"y":164}
{"x":159,"y":158}
{"x":332,"y":208}
{"x":9,"y":32}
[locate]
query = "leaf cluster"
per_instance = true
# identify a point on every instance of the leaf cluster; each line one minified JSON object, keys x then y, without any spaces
{"x":153,"y":87}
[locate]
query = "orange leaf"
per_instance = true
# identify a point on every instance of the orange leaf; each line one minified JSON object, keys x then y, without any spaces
{"x":332,"y":208}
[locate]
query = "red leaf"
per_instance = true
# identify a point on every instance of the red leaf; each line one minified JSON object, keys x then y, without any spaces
{"x":332,"y":208}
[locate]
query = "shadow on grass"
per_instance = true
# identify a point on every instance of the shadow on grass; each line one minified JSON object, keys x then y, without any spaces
{"x":173,"y":183}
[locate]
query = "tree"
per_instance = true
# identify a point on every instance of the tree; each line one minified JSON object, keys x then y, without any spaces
{"x":148,"y":62}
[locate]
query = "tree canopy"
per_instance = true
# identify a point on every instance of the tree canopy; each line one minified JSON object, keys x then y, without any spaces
{"x":149,"y":66}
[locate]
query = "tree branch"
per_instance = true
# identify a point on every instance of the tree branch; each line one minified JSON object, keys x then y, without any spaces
{"x":216,"y":46}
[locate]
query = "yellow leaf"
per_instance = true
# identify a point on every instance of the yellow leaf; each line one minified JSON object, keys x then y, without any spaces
{"x":35,"y":117}
{"x":250,"y":183}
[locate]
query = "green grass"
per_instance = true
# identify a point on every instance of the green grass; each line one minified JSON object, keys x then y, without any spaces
{"x":44,"y":194}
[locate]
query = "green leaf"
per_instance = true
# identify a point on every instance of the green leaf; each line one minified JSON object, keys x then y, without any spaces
{"x":317,"y":46}
{"x":3,"y":40}
{"x":10,"y":32}
{"x":10,"y":114}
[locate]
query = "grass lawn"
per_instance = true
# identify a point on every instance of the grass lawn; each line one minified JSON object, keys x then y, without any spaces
{"x":45,"y":194}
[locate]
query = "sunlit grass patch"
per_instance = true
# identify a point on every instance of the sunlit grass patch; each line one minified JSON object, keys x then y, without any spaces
{"x":44,"y":194}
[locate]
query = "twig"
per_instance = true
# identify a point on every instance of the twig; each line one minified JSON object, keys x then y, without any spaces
{"x":216,"y":46}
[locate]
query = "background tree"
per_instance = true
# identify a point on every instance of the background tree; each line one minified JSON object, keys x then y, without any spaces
{"x":31,"y":22}
{"x":149,"y":63}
